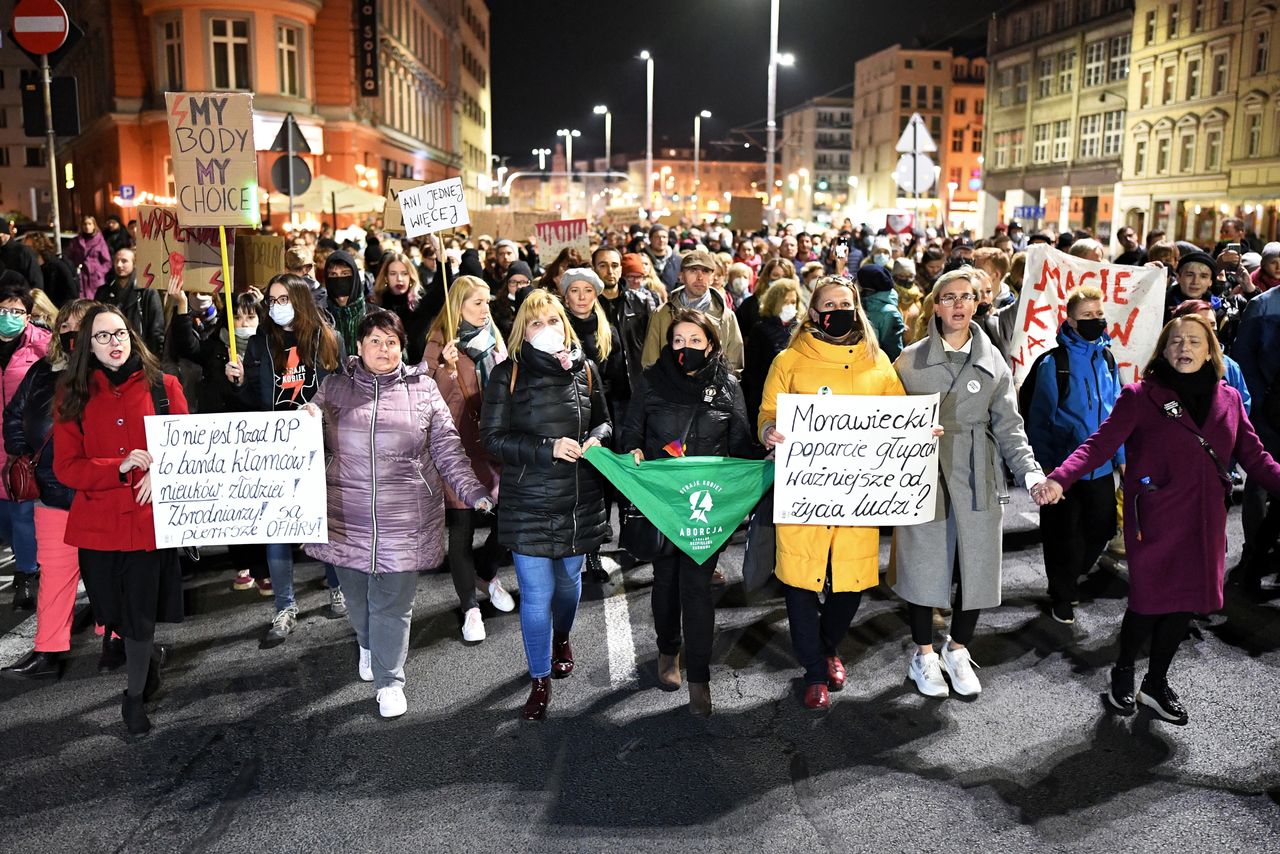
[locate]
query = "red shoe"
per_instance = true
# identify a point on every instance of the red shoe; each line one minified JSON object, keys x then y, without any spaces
{"x":561,"y":658}
{"x":835,"y":673}
{"x":816,"y":697}
{"x":535,"y":708}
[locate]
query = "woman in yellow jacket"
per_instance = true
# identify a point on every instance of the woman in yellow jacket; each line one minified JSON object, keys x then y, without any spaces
{"x":833,"y":352}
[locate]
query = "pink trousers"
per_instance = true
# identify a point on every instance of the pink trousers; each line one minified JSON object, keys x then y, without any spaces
{"x":59,"y":577}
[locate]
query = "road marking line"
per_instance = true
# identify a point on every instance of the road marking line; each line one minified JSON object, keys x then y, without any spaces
{"x":617,"y":624}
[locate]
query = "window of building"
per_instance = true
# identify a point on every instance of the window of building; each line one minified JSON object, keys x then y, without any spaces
{"x":1253,"y":134}
{"x":1193,"y":79}
{"x":229,"y":45}
{"x":1197,"y":15}
{"x":35,"y":155}
{"x":935,"y":127}
{"x":976,"y":146}
{"x":937,"y":65}
{"x":4,"y":155}
{"x":959,"y":106}
{"x":1172,"y":32}
{"x":1090,"y":136}
{"x":1162,"y":155}
{"x":1062,"y":14}
{"x":1261,"y":51}
{"x":1118,"y":61}
{"x":922,"y":97}
{"x":905,"y":98}
{"x":937,"y":97}
{"x":1004,"y":87}
{"x":1186,"y":152}
{"x":1224,"y":12}
{"x":957,"y":139}
{"x":1017,"y":146}
{"x":1144,"y":90}
{"x":1,"y":78}
{"x":4,"y":118}
{"x":1140,"y":157}
{"x":1169,"y":76}
{"x":1219,"y":82}
{"x":1213,"y":150}
{"x":1018,"y":29}
{"x":1020,"y":75}
{"x":1000,"y":157}
{"x":979,"y":105}
{"x":171,"y":48}
{"x":910,"y":63}
{"x":1095,"y":63}
{"x":1112,"y":133}
{"x":1149,"y":32}
{"x":1061,"y":139}
{"x":288,"y":60}
{"x":1066,"y":71}
{"x":1038,"y":21}
{"x":1044,"y":83}
{"x":1040,"y":143}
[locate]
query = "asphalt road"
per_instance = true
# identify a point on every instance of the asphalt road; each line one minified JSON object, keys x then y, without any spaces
{"x":282,"y":750}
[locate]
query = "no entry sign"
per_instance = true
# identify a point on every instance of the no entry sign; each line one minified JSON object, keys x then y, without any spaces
{"x":40,"y":26}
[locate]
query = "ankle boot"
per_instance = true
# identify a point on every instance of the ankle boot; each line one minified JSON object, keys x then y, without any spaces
{"x":669,"y":671}
{"x":535,"y":708}
{"x":561,"y":657}
{"x":135,"y":715}
{"x":700,"y":699}
{"x":112,"y":657}
{"x":36,"y":665}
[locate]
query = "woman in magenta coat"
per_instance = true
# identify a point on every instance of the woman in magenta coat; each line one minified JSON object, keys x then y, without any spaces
{"x":90,"y":255}
{"x":1179,"y":426}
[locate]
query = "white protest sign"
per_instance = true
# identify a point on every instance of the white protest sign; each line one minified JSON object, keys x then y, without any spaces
{"x":237,"y":477}
{"x":215,"y":162}
{"x":852,"y":459}
{"x":1132,"y":299}
{"x":553,"y":237}
{"x":433,"y":207}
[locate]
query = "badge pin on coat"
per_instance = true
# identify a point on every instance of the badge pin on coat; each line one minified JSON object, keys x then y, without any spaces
{"x":974,"y":386}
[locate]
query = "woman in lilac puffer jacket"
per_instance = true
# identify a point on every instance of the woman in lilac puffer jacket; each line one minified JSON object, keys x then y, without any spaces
{"x":390,"y":440}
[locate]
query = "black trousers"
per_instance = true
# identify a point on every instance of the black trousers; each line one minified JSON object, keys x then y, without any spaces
{"x":682,"y":594}
{"x":131,"y":591}
{"x":1075,"y":532}
{"x":251,"y":556}
{"x":1165,"y":632}
{"x":465,"y":565}
{"x":817,"y":627}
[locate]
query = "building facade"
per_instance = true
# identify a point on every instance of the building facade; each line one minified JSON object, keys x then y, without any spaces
{"x":24,"y":170}
{"x":719,"y":181}
{"x":1203,"y":133}
{"x":422,"y":114}
{"x":963,"y":136}
{"x":817,"y":141}
{"x":1057,"y":95}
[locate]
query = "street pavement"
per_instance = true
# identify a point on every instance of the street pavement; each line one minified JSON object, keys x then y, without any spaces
{"x":282,"y":750}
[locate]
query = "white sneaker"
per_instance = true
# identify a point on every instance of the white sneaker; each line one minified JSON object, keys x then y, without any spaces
{"x":366,"y":665}
{"x":391,"y":702}
{"x":959,"y":667}
{"x":927,"y":673}
{"x":500,"y":598}
{"x":473,"y":626}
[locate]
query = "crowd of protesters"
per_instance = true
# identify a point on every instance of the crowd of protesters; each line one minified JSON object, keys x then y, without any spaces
{"x":488,"y":371}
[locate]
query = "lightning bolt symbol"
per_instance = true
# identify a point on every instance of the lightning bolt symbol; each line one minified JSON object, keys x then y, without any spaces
{"x":151,"y":277}
{"x":178,"y":111}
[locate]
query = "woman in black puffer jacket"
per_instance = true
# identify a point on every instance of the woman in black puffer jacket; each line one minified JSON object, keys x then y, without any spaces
{"x":688,"y":396}
{"x":543,"y":408}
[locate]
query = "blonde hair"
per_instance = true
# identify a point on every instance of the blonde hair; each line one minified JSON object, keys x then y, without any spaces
{"x":43,"y":309}
{"x":864,"y":323}
{"x":1215,"y":349}
{"x":448,"y":321}
{"x":995,"y":259}
{"x":1086,"y":248}
{"x":538,"y":303}
{"x":380,"y":286}
{"x":1083,"y":293}
{"x":967,"y":274}
{"x":771,"y":302}
{"x":604,"y":337}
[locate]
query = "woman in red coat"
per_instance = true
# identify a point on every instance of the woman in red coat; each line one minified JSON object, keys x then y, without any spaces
{"x":1179,"y":426}
{"x":100,"y":450}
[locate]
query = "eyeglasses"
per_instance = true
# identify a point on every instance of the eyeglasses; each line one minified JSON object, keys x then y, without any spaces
{"x":519,"y":283}
{"x":119,"y":336}
{"x":284,"y":300}
{"x":952,"y":299}
{"x":13,"y":312}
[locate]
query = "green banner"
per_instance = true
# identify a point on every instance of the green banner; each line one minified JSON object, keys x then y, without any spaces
{"x":696,"y":502}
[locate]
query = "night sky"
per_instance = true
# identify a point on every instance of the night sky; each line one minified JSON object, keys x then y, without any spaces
{"x":553,"y":60}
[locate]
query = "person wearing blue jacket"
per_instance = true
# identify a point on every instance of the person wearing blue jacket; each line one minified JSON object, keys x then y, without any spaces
{"x":1075,"y":530}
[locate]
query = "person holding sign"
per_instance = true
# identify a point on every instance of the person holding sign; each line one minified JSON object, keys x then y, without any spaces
{"x":462,"y":350}
{"x":962,"y":545}
{"x":393,"y":445}
{"x":543,"y":408}
{"x":282,"y":369}
{"x":687,"y":404}
{"x":111,"y":383}
{"x":833,"y":352}
{"x":142,"y":306}
{"x":1180,"y":425}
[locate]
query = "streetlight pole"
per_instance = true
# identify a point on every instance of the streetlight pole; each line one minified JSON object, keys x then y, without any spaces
{"x":771,"y":125}
{"x":697,"y":149}
{"x":569,"y":135}
{"x":648,"y":145}
{"x":602,"y":110}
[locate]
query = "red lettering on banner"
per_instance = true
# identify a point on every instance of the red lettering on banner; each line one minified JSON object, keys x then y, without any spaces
{"x":1048,"y":272}
{"x":1118,"y":289}
{"x":1121,"y":335}
{"x":1033,"y":343}
{"x":1033,"y":316}
{"x":1084,"y":277}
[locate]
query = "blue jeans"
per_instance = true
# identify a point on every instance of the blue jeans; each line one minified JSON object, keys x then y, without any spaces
{"x":280,"y":565}
{"x":549,"y":593}
{"x":18,"y":529}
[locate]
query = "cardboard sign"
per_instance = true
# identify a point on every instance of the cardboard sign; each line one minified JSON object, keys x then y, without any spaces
{"x":1132,"y":298}
{"x":553,"y":237}
{"x":620,"y":218}
{"x":391,"y":218}
{"x":433,"y":207}
{"x":167,"y":250}
{"x":215,"y":164}
{"x":516,"y":225}
{"x":852,"y":459}
{"x":237,"y":477}
{"x":259,"y":257}
{"x":747,"y":212}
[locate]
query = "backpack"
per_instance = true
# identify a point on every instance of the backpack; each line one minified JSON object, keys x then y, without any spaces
{"x":1062,"y":371}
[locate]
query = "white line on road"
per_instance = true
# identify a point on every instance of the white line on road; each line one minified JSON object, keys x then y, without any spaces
{"x":617,"y":624}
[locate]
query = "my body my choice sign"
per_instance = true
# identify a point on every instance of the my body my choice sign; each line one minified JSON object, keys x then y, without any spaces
{"x":852,"y":459}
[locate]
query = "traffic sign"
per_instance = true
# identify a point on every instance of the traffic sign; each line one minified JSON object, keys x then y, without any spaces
{"x":290,"y":138}
{"x":40,"y":26}
{"x":915,"y":138}
{"x":301,"y":176}
{"x":914,"y":173}
{"x":127,"y":191}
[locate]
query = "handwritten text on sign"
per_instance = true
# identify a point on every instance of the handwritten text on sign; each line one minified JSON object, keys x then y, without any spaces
{"x":433,"y":207}
{"x":553,"y":237}
{"x":856,"y":460}
{"x":215,"y":163}
{"x":238,"y":477}
{"x":167,"y":251}
{"x":1132,"y":299}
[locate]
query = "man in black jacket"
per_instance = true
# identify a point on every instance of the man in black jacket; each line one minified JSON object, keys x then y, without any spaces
{"x":17,"y":256}
{"x":142,"y":306}
{"x":626,"y":309}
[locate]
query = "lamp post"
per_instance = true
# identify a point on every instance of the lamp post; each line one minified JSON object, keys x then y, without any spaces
{"x":569,"y":136}
{"x":648,"y":145}
{"x":602,"y":110}
{"x":697,"y":149}
{"x":542,"y":154}
{"x":775,"y":59}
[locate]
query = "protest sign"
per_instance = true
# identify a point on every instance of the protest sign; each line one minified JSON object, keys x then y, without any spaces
{"x":853,"y":459}
{"x":433,"y":207}
{"x":553,"y":237}
{"x":696,"y":502}
{"x":746,"y":213}
{"x":391,"y":218}
{"x":167,"y":250}
{"x":237,"y":477}
{"x":215,"y":164}
{"x":258,"y":258}
{"x":1132,"y":299}
{"x":619,"y":217}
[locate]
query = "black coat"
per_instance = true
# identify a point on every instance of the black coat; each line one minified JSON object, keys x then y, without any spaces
{"x":711,"y":422}
{"x":208,"y":348}
{"x":614,"y":368}
{"x":547,"y":507}
{"x":417,"y":323}
{"x":22,"y":259}
{"x":768,"y":338}
{"x":142,"y":306}
{"x":748,"y":314}
{"x":629,"y":313}
{"x":28,"y":423}
{"x":61,"y":284}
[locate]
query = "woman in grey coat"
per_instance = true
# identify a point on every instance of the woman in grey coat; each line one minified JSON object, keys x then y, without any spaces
{"x":962,"y":546}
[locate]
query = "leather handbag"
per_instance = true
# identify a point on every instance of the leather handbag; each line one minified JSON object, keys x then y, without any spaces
{"x":641,"y":539}
{"x":20,"y":474}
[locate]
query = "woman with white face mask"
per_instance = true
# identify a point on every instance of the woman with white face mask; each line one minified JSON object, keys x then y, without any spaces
{"x":779,"y":314}
{"x":543,"y":408}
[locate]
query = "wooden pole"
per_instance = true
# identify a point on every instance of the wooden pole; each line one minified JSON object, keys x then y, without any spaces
{"x":230,"y":307}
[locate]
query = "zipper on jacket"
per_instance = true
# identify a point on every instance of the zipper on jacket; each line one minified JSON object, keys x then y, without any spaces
{"x":423,"y":477}
{"x":577,"y":402}
{"x":373,"y":490}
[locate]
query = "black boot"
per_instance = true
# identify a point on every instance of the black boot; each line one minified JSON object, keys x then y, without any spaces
{"x":594,"y":569}
{"x":36,"y":665}
{"x":1120,"y":697}
{"x":135,"y":715}
{"x":112,"y":658}
{"x":24,"y":591}
{"x":1159,"y":697}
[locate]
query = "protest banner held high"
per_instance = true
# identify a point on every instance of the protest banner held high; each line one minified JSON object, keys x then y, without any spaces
{"x":215,"y":164}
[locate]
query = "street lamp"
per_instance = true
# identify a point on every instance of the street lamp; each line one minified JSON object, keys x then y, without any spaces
{"x":648,"y":145}
{"x":569,"y":137}
{"x":775,"y":59}
{"x":602,"y":110}
{"x":697,"y":149}
{"x":542,"y":154}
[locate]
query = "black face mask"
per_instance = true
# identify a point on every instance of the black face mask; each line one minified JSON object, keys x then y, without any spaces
{"x":837,"y":323}
{"x":983,"y":308}
{"x":690,"y":360}
{"x":67,"y":340}
{"x":339,"y":286}
{"x":1091,"y":330}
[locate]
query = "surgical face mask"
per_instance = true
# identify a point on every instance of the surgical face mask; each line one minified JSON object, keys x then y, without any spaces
{"x":1091,"y":329}
{"x":787,"y":313}
{"x":882,"y":260}
{"x":10,"y":325}
{"x":738,"y":285}
{"x":282,"y":314}
{"x":244,"y":333}
{"x":549,"y":340}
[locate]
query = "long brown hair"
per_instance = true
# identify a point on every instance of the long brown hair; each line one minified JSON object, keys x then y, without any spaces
{"x":380,"y":286}
{"x":317,"y":342}
{"x":73,"y":386}
{"x":568,"y":257}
